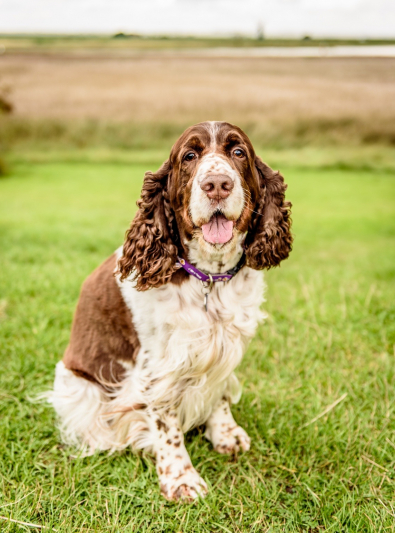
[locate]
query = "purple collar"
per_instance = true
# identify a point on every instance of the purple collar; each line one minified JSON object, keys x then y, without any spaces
{"x":202,"y":276}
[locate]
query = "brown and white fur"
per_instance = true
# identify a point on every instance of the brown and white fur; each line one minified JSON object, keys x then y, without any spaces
{"x":146,"y":362}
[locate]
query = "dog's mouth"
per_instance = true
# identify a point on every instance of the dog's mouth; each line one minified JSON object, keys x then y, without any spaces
{"x":218,"y":230}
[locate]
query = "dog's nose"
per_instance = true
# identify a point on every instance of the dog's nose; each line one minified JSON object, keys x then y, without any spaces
{"x":217,"y":186}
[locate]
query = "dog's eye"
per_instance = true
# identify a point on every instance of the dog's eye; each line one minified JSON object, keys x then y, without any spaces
{"x":238,"y":152}
{"x":189,"y":156}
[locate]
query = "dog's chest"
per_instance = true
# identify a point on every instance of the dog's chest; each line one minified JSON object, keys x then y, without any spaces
{"x":171,"y":321}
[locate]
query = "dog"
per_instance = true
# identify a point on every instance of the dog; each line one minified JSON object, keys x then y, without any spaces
{"x":162,"y":324}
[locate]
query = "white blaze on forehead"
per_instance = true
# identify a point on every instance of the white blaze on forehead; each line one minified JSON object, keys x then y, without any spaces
{"x":213,"y":130}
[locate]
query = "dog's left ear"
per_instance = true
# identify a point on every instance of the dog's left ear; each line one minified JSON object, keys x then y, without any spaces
{"x":269,"y":239}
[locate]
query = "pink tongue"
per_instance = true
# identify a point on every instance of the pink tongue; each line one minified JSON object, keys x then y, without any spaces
{"x":219,"y":230}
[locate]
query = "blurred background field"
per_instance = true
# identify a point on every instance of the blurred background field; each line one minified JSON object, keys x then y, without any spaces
{"x":68,"y":97}
{"x":78,"y":130}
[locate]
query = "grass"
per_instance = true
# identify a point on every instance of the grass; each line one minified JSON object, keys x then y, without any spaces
{"x":133,"y":42}
{"x":314,"y":466}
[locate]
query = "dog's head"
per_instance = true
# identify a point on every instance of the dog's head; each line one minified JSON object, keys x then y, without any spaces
{"x":210,"y":198}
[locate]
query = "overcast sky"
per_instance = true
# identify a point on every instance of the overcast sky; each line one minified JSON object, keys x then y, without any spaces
{"x":353,"y":18}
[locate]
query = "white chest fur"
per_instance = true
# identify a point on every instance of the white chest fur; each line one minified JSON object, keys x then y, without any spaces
{"x":188,"y":355}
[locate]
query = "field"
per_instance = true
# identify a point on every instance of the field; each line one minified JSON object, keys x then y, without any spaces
{"x":318,"y":378}
{"x":79,"y":100}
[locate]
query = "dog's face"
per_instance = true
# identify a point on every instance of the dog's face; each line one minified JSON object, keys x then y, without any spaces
{"x":213,"y":186}
{"x":212,"y":194}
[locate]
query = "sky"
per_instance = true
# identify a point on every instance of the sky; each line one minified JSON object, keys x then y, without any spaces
{"x":287,"y":18}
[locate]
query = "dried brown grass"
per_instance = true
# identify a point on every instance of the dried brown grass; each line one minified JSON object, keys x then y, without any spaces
{"x":283,"y":100}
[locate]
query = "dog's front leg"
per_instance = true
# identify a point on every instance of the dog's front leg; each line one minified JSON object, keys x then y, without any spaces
{"x":224,"y":433}
{"x":177,"y":477}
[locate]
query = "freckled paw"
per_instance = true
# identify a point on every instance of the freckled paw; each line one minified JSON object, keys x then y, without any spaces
{"x":188,"y":487}
{"x":232,"y":440}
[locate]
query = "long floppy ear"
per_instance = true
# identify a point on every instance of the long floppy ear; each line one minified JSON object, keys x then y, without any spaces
{"x":269,"y":240}
{"x":149,"y":253}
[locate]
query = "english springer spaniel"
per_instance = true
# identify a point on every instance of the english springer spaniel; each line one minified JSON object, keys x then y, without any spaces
{"x":162,"y":324}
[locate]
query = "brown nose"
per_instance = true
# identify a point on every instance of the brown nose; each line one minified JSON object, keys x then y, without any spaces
{"x":217,"y":186}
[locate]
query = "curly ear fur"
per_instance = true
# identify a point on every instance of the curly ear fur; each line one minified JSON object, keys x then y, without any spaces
{"x":269,"y":240}
{"x":149,"y":252}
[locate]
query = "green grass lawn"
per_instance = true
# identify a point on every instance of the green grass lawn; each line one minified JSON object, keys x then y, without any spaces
{"x":314,"y":466}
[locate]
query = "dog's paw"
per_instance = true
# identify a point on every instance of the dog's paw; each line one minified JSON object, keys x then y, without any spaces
{"x":229,"y":439}
{"x":187,"y":486}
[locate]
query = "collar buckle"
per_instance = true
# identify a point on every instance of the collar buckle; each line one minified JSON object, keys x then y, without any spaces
{"x":207,"y":287}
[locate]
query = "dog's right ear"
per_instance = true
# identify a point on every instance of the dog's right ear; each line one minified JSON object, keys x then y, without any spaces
{"x":149,"y":253}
